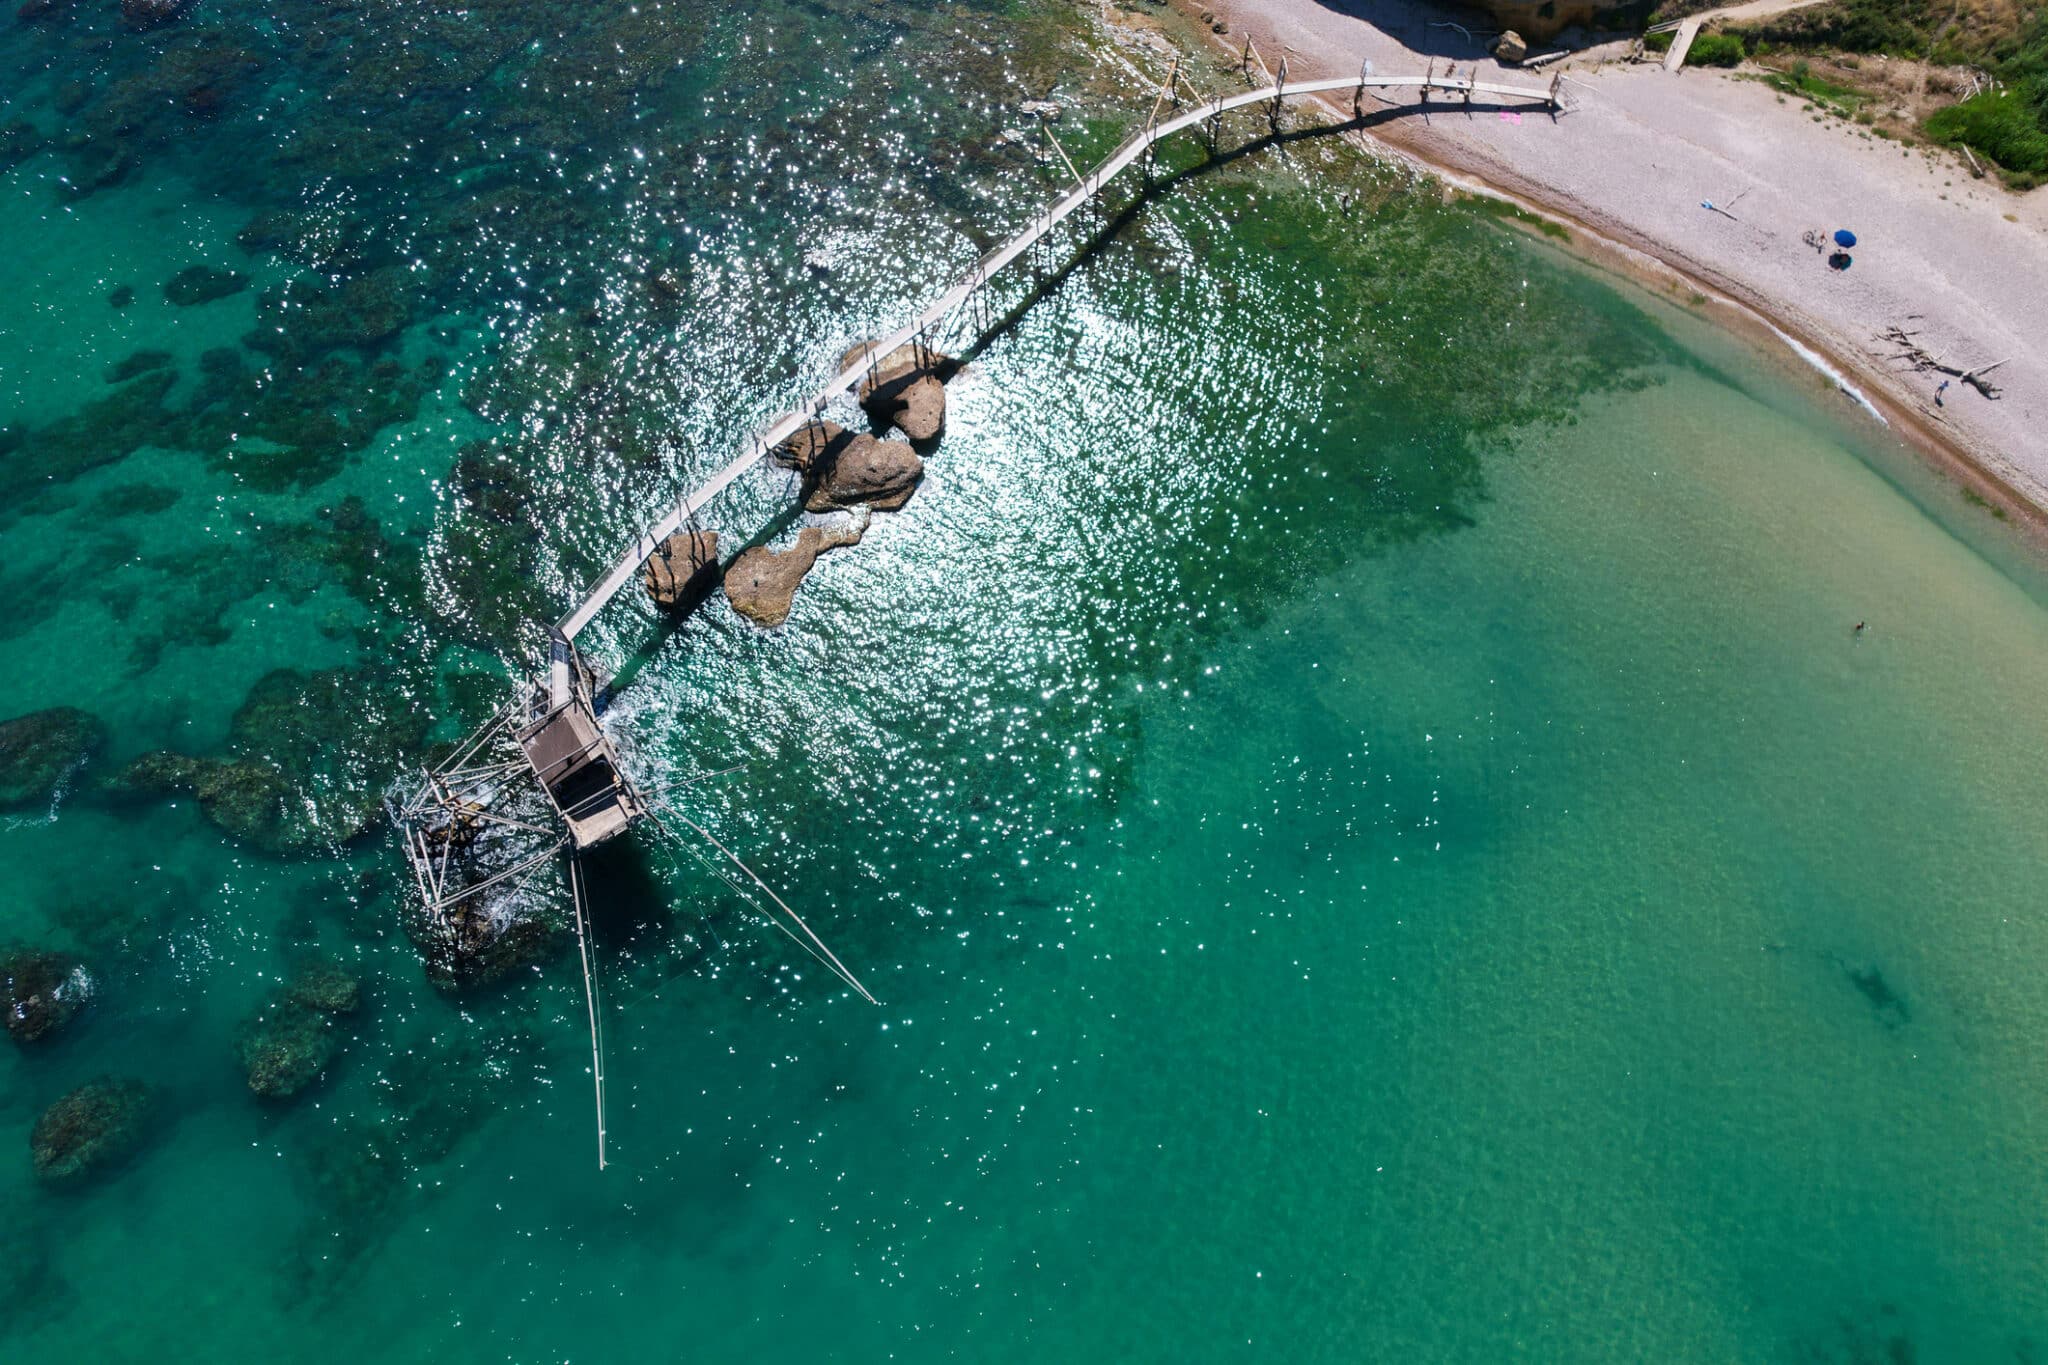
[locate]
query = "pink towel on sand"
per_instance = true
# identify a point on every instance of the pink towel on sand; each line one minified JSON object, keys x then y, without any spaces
{"x":1510,"y":116}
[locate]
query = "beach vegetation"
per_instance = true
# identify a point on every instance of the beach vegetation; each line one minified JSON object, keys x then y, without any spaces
{"x":1717,"y":49}
{"x":1992,"y":57}
{"x":2002,"y":126}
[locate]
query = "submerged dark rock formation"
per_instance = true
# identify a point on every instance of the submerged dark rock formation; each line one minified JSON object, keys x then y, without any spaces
{"x":19,"y":141}
{"x":141,"y":15}
{"x":40,"y":991}
{"x":308,"y":754}
{"x":94,"y":1127}
{"x":290,"y":1040}
{"x":762,"y":583}
{"x":484,"y":940}
{"x":683,"y":570}
{"x":38,"y":750}
{"x":197,"y":284}
{"x":141,"y":362}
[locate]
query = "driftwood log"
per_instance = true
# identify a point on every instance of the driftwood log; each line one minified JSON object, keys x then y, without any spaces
{"x":1920,"y":358}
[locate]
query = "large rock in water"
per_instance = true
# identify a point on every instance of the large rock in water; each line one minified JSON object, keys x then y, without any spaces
{"x":37,"y":750}
{"x":94,"y":1126}
{"x":816,"y":442}
{"x":864,"y":471}
{"x":683,"y":570}
{"x":907,"y":389}
{"x":762,"y":582}
{"x":40,"y":991}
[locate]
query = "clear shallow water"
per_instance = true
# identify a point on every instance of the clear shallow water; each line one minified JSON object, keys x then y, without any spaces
{"x":1368,"y":818}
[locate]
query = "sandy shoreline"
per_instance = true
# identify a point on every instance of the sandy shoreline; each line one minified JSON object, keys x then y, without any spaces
{"x":1626,"y":168}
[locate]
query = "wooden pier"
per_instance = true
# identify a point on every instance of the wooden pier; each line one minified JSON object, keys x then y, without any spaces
{"x":922,"y":327}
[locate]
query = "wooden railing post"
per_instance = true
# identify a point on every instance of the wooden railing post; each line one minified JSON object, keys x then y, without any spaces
{"x":1279,"y":94}
{"x":1358,"y":96}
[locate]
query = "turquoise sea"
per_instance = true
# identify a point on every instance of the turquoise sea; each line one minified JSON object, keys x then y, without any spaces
{"x":1355,"y":778}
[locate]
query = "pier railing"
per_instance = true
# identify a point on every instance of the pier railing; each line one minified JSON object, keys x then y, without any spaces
{"x":1087,"y":186}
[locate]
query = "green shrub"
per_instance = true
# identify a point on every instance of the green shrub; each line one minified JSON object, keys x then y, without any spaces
{"x":2001,"y":125}
{"x":1716,"y":49}
{"x":1658,"y":42}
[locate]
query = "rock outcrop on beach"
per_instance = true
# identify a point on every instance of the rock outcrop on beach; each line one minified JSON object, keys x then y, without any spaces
{"x":40,"y":991}
{"x":1509,"y":49}
{"x":38,"y":750}
{"x":290,"y":1040}
{"x":762,"y":583}
{"x":683,"y":570}
{"x":863,"y":472}
{"x":94,"y":1127}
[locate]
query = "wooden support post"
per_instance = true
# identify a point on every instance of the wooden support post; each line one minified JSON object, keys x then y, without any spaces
{"x":1244,"y":61}
{"x":1471,"y":79}
{"x":1556,"y":92}
{"x":1427,"y":77}
{"x":1279,"y":95}
{"x":1358,"y":96}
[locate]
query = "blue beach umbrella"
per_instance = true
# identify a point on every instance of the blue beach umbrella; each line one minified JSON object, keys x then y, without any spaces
{"x":1844,"y":237}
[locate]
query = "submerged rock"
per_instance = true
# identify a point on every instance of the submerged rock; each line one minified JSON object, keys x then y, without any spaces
{"x":864,"y":471}
{"x":308,"y":754}
{"x":141,"y":362}
{"x":290,"y":1040}
{"x":683,"y":570}
{"x":19,"y":141}
{"x":197,"y":284}
{"x":38,"y":750}
{"x":326,"y":988}
{"x":40,"y":991}
{"x":121,"y":296}
{"x":91,"y":1128}
{"x":140,"y":15}
{"x":762,"y":583}
{"x":482,"y":941}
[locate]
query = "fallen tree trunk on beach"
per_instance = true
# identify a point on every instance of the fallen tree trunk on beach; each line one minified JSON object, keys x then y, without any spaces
{"x":1920,"y":358}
